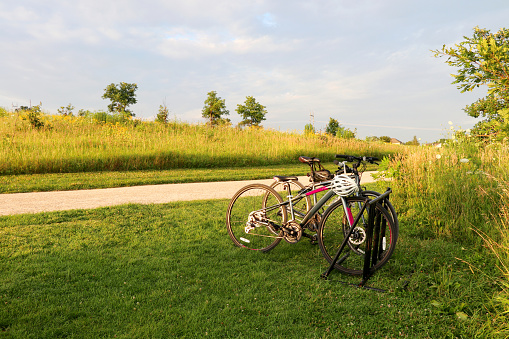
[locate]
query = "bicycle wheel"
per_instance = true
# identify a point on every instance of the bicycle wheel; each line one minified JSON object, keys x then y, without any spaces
{"x":300,"y":207}
{"x":335,"y":227}
{"x":387,"y":205}
{"x":255,"y":216}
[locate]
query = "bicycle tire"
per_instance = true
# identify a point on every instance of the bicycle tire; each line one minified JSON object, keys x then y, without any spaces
{"x":334,"y":227}
{"x":303,"y":205}
{"x":264,"y":200}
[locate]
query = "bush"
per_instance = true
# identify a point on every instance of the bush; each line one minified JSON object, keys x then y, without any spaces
{"x":34,"y":116}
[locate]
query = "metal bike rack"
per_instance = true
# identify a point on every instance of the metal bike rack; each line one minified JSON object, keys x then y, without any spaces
{"x":373,"y":241}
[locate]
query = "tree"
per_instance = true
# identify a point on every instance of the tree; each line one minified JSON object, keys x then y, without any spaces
{"x":309,"y":129}
{"x":251,"y":112}
{"x":385,"y":139}
{"x":332,"y":127}
{"x":483,"y":59}
{"x":214,"y":108}
{"x":335,"y":129}
{"x":414,"y":142}
{"x":345,"y":133}
{"x":121,"y":96}
{"x":65,"y":111}
{"x":162,"y":115}
{"x":33,"y":115}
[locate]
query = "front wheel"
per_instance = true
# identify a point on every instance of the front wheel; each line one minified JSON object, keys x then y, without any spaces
{"x":255,"y":216}
{"x":335,"y":227}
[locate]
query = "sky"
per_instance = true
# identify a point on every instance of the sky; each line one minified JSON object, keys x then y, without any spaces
{"x":367,"y":63}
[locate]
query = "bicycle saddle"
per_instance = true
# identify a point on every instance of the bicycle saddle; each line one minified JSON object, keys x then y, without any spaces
{"x":282,"y":178}
{"x":308,"y":160}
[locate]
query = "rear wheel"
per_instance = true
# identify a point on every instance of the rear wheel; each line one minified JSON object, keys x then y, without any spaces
{"x":254,"y":218}
{"x":335,"y":227}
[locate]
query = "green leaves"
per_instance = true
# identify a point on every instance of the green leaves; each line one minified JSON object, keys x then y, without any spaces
{"x":252,"y":112}
{"x":483,"y":59}
{"x":332,"y":127}
{"x":121,"y":96}
{"x":214,"y":108}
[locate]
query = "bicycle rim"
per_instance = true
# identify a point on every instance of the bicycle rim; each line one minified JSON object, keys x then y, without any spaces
{"x":335,"y":227}
{"x":254,"y":217}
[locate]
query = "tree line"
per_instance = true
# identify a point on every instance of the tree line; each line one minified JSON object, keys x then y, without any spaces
{"x":214,"y":109}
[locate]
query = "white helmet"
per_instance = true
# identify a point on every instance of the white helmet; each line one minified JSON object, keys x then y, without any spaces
{"x":343,"y":185}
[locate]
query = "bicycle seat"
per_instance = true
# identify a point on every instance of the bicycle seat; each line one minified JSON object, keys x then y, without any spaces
{"x":282,"y":178}
{"x":308,"y":160}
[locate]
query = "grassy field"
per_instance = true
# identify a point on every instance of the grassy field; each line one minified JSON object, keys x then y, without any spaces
{"x":171,"y":270}
{"x":78,"y":144}
{"x":460,"y":194}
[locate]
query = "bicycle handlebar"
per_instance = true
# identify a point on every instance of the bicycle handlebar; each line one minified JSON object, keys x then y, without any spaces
{"x":353,"y":158}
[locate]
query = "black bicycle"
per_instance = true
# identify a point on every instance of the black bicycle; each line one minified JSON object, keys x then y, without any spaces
{"x":258,"y":218}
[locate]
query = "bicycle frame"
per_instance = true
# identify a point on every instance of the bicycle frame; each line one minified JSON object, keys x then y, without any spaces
{"x":317,"y":206}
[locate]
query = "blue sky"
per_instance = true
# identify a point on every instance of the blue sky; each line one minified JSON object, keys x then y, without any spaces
{"x":366,"y":63}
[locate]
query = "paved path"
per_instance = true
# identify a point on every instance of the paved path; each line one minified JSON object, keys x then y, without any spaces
{"x":20,"y":203}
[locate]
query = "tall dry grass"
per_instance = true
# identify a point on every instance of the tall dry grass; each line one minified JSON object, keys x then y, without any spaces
{"x":460,"y":192}
{"x":448,"y":191}
{"x":499,"y":246}
{"x":79,"y":144}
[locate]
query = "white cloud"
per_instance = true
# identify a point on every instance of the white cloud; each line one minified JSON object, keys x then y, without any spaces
{"x":368,"y":60}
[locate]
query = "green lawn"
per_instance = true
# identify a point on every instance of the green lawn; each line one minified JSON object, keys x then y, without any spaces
{"x":170,"y":270}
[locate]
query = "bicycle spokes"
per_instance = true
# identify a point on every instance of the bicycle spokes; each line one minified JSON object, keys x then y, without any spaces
{"x":254,"y":218}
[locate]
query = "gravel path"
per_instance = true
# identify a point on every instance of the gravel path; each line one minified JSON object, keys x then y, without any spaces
{"x":21,"y":203}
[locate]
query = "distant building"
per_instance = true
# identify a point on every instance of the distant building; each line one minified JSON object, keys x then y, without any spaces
{"x":396,"y":141}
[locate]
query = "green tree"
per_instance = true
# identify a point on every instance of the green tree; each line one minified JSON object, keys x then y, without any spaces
{"x":65,"y":111}
{"x":483,"y":59}
{"x":372,"y":138}
{"x":345,"y":133}
{"x":252,"y":112}
{"x":309,"y":129}
{"x":121,"y":96}
{"x":33,"y":115}
{"x":413,"y":142}
{"x":214,"y":109}
{"x":385,"y":139}
{"x":332,"y":127}
{"x":162,"y":115}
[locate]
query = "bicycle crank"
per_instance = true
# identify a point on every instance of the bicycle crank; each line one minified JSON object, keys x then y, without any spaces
{"x":292,"y":232}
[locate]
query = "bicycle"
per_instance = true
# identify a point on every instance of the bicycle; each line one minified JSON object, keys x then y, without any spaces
{"x":357,"y":162}
{"x":290,"y":184}
{"x":258,"y":218}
